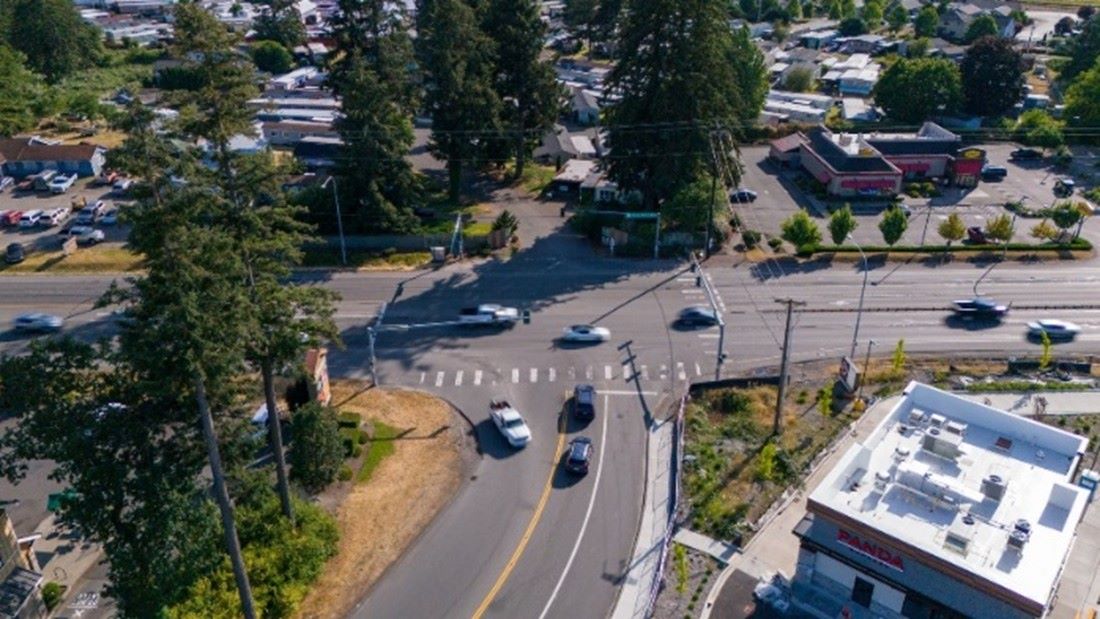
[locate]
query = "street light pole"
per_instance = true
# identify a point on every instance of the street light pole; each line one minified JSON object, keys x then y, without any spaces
{"x":862,"y":292}
{"x":866,"y":369}
{"x":339,"y":219}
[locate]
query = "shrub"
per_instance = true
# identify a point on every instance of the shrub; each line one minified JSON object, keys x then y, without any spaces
{"x":751,"y":238}
{"x":734,"y":402}
{"x":348,"y":420}
{"x":775,"y":243}
{"x":389,"y":251}
{"x":317,"y":449}
{"x":345,"y":473}
{"x":51,"y":594}
{"x":363,"y":437}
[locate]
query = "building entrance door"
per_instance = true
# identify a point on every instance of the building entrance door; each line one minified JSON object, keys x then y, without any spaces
{"x":862,"y":592}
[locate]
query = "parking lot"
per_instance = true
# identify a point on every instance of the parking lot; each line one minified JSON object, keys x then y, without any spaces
{"x":41,"y":238}
{"x":1031,"y":182}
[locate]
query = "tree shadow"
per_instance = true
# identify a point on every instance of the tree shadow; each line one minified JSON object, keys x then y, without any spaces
{"x":775,"y":268}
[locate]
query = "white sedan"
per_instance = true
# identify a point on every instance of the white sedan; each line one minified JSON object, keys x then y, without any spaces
{"x":585,"y":333}
{"x":38,"y":322}
{"x":510,"y":423}
{"x":1055,"y":329}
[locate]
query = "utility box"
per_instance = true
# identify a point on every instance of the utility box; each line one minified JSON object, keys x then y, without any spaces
{"x":439,"y":254}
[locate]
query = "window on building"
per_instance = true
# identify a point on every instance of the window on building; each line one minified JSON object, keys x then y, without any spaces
{"x":862,"y":591}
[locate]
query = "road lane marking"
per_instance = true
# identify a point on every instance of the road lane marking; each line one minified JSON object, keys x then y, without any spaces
{"x":587,"y":514}
{"x":535,"y":517}
{"x":607,"y":373}
{"x":515,"y":375}
{"x":553,"y":374}
{"x":626,"y":372}
{"x":680,"y":370}
{"x":423,"y":375}
{"x":534,"y":375}
{"x":588,"y":373}
{"x":664,"y":371}
{"x":458,"y":378}
{"x":477,"y":378}
{"x":626,"y":392}
{"x":439,"y":379}
{"x":645,"y":372}
{"x":708,"y":336}
{"x":698,"y":370}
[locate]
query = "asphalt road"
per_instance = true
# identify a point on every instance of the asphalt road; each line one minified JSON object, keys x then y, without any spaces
{"x":523,"y":539}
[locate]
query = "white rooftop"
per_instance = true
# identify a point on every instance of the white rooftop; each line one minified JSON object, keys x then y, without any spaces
{"x":929,"y":477}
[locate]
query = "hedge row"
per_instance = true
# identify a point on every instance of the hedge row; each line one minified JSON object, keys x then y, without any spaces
{"x":1077,"y":244}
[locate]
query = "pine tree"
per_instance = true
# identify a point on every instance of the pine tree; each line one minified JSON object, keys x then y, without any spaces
{"x":526,"y":85}
{"x":282,"y":23}
{"x":371,"y":73}
{"x":458,"y":61}
{"x":709,"y":76}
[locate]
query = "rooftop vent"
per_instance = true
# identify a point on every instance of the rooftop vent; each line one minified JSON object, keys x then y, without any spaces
{"x":993,"y":487}
{"x":954,"y":427}
{"x":900,"y":454}
{"x":881,"y":479}
{"x":1017,"y":540}
{"x":916,"y":417}
{"x":938,"y":420}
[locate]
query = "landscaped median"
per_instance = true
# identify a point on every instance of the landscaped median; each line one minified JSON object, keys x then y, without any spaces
{"x":1075,"y":250}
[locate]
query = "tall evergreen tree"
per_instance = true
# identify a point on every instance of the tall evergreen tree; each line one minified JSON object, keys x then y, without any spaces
{"x":458,"y":64}
{"x":531,"y":96}
{"x":372,"y":73}
{"x":280,"y":22}
{"x":992,"y":76}
{"x":580,"y":16}
{"x":681,"y":72}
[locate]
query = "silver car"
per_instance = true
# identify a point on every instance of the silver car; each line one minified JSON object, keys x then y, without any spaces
{"x":38,"y":323}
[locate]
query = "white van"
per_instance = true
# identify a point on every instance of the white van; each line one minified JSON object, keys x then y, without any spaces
{"x":30,"y":219}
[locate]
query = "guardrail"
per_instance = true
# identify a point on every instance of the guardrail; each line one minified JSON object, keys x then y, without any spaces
{"x":674,"y":502}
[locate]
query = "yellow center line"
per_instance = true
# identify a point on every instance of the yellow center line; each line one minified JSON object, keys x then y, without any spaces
{"x":535,"y":517}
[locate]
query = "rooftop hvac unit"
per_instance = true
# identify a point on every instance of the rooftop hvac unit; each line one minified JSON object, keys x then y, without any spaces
{"x":955,"y":427}
{"x":938,"y":420}
{"x":993,"y":487}
{"x":881,"y":479}
{"x":942,"y":444}
{"x":916,"y":417}
{"x":1017,"y":540}
{"x":900,"y":454}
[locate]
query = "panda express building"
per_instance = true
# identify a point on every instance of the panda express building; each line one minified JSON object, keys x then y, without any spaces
{"x":949,"y":508}
{"x":876,"y":164}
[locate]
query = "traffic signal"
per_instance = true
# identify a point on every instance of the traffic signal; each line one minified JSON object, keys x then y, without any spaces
{"x":526,"y":317}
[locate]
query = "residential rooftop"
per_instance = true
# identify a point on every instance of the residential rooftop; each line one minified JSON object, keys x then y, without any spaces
{"x":981,"y":489}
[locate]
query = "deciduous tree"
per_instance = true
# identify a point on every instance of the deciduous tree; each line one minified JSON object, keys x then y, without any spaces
{"x":927,"y":21}
{"x":913,"y":91}
{"x":952,"y":229}
{"x":280,"y":22}
{"x":982,"y":26}
{"x":1044,"y":232}
{"x":896,"y":16}
{"x":801,"y":231}
{"x":272,"y":57}
{"x":841,"y":224}
{"x":893,"y":224}
{"x":21,"y":89}
{"x":1000,"y":229}
{"x":1083,"y":99}
{"x":1084,"y":51}
{"x":992,"y":77}
{"x":52,"y":36}
{"x":1065,"y":215}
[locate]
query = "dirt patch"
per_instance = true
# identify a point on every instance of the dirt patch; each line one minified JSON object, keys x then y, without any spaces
{"x":687,"y":577}
{"x":381,"y":518}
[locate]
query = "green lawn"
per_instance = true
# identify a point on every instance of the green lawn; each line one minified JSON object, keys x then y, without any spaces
{"x":377,"y":449}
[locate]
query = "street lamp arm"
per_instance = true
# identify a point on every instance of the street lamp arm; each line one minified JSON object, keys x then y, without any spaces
{"x":862,"y":293}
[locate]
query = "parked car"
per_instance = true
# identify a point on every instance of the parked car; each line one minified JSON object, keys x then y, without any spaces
{"x":89,"y":236}
{"x":122,"y":185}
{"x":510,"y":423}
{"x":106,"y":178}
{"x":697,"y":315}
{"x":30,"y":219}
{"x":38,"y":322}
{"x":62,"y":183}
{"x":110,"y":218}
{"x":10,"y":218}
{"x":43,"y":179}
{"x":6,"y":182}
{"x":578,"y":455}
{"x":743,"y":195}
{"x":91,"y":213}
{"x":15,"y":253}
{"x":54,"y":217}
{"x":585,"y":333}
{"x":975,"y":234}
{"x":994,"y":172}
{"x":25,"y":185}
{"x":584,"y":402}
{"x":1025,"y":154}
{"x":1055,"y":329}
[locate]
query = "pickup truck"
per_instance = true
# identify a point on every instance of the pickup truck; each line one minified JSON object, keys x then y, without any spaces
{"x":489,"y":314}
{"x":979,"y":308}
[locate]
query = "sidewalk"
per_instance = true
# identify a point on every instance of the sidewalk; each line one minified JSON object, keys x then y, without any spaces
{"x":1058,"y":402}
{"x":641,"y":575}
{"x":774,"y":547}
{"x":720,"y":550}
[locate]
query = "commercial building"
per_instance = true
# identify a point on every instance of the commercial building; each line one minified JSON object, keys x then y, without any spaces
{"x":949,"y":508}
{"x":876,"y":164}
{"x":20,"y":157}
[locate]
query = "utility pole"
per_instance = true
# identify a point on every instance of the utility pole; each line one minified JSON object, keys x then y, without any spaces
{"x":701,"y":279}
{"x":866,"y":369}
{"x":784,"y":364}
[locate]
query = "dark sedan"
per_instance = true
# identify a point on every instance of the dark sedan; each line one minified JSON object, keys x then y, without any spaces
{"x":578,"y":455}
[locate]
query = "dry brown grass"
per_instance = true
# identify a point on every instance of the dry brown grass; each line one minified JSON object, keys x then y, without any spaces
{"x":379,"y":519}
{"x":103,"y":258}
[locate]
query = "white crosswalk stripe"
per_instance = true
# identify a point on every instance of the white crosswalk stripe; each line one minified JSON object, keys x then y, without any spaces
{"x":458,"y":378}
{"x":534,"y":375}
{"x":423,"y":375}
{"x":588,"y":373}
{"x":664,"y":372}
{"x":553,"y":374}
{"x":607,"y":372}
{"x":439,"y":379}
{"x":572,"y":374}
{"x":698,"y":370}
{"x":477,"y":377}
{"x":626,"y":372}
{"x":645,"y":372}
{"x":515,"y":375}
{"x":680,"y":373}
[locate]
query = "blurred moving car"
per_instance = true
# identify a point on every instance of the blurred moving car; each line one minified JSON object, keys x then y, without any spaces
{"x":743,"y":194}
{"x":38,"y":322}
{"x":1055,"y":329}
{"x":697,"y":315}
{"x":979,"y":307}
{"x":15,"y":253}
{"x":1025,"y":154}
{"x":585,"y":333}
{"x":994,"y":172}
